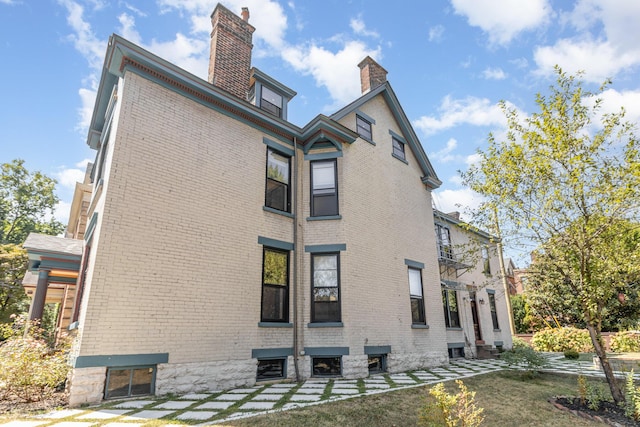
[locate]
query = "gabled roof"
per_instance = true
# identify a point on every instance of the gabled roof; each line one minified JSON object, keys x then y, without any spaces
{"x":447,"y":218}
{"x":430,"y":178}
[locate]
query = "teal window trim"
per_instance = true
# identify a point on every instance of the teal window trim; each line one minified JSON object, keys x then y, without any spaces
{"x":414,"y":264}
{"x":326,"y":248}
{"x":399,"y":158}
{"x":419,"y":326}
{"x":324,"y":218}
{"x":275,"y":325}
{"x":326,"y":351}
{"x":273,"y":243}
{"x":455,"y":345}
{"x":271,"y":353}
{"x":91,"y":227}
{"x":323,"y":156}
{"x":498,"y":343}
{"x":325,"y":325}
{"x":276,"y":211}
{"x":120,"y":360}
{"x":366,"y":117}
{"x":456,"y":328}
{"x":491,"y":291}
{"x":279,"y":147}
{"x":377,"y":349}
{"x":398,"y":137}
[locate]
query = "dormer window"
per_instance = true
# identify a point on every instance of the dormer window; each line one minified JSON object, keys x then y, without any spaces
{"x":271,"y":102}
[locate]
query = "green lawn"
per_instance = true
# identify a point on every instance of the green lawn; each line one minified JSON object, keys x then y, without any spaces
{"x":507,"y":399}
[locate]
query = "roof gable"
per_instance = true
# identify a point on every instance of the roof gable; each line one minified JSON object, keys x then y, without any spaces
{"x":430,"y":178}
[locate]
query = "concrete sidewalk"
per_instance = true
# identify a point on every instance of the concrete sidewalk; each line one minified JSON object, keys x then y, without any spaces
{"x":218,"y":407}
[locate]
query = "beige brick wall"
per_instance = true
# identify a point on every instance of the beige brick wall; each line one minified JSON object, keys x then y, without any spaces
{"x":176,"y":264}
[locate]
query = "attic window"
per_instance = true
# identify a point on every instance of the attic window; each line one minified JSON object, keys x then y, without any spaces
{"x":271,"y":102}
{"x":398,"y":149}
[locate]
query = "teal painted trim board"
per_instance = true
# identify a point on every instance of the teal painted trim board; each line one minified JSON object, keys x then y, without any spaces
{"x":498,"y":343}
{"x":417,"y":326}
{"x":276,"y":211}
{"x":275,"y":325}
{"x":324,"y":218}
{"x":92,"y":225}
{"x":325,"y":325}
{"x":271,"y":353}
{"x":273,"y":243}
{"x":491,"y":291}
{"x":119,"y":360}
{"x":326,"y":351}
{"x":326,"y":248}
{"x":455,"y":345}
{"x":366,"y":117}
{"x":377,"y":349}
{"x":323,"y":156}
{"x":414,"y":264}
{"x":278,"y":147}
{"x":398,"y":137}
{"x":399,"y":158}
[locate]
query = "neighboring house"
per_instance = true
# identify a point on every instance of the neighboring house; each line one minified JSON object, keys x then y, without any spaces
{"x":226,"y":245}
{"x":473,"y":294}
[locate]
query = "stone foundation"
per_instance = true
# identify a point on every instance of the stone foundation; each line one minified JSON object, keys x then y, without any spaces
{"x":413,"y":361}
{"x":86,"y":385}
{"x":198,"y":377}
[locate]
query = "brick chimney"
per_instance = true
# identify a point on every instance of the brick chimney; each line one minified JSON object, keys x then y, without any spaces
{"x":230,"y":57}
{"x":372,"y":74}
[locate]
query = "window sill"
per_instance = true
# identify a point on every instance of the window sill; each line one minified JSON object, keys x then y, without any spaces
{"x":399,"y":158}
{"x":325,"y":325}
{"x":497,"y":330}
{"x":276,"y":211}
{"x":454,"y":329}
{"x":418,"y":326}
{"x":275,"y":325}
{"x":368,"y":140}
{"x":324,"y":218}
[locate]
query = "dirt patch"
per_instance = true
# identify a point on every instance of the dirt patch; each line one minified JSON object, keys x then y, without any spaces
{"x":13,"y":406}
{"x":608,"y":412}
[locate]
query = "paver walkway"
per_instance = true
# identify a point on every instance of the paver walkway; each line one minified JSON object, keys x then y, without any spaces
{"x":217,"y":407}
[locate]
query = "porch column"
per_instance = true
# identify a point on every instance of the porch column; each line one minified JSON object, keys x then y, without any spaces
{"x":40,"y":295}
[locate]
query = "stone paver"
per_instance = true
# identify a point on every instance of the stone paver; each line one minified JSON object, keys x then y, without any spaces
{"x":208,"y":407}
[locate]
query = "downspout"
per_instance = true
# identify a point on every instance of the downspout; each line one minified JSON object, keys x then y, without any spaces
{"x":296,"y":248}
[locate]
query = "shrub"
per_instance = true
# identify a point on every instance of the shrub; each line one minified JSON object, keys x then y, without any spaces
{"x":625,"y":342}
{"x":631,"y":398}
{"x":571,"y":354}
{"x":30,"y":370}
{"x":523,"y":356}
{"x":451,"y":410}
{"x":561,"y":339}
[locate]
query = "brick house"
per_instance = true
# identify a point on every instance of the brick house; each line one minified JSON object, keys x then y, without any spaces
{"x":225,"y":245}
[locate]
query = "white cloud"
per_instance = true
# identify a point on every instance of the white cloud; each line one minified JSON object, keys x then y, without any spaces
{"x":612,"y":101}
{"x":454,"y":112}
{"x":61,"y":211}
{"x":445,"y":155}
{"x":436,"y":33}
{"x":358,"y":26}
{"x":338,"y":71}
{"x":598,"y":59}
{"x":83,"y":38}
{"x":472,"y":159}
{"x":494,"y":74}
{"x":460,"y":200}
{"x":606,"y":43}
{"x":519,"y":62}
{"x":503,"y":20}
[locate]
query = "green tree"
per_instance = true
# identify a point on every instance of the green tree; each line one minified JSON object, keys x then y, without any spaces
{"x":13,"y":264}
{"x":26,"y":198}
{"x":567,"y":178}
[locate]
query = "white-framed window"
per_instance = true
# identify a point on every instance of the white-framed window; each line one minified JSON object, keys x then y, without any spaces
{"x":417,"y":299}
{"x":277,"y":186}
{"x":324,"y":188}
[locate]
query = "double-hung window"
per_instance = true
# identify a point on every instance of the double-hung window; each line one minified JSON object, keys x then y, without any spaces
{"x":271,"y":102}
{"x":417,"y":300}
{"x":363,"y":127}
{"x":450,"y":302}
{"x":494,"y":311}
{"x":444,"y":242}
{"x":277,"y":188}
{"x":325,"y":298}
{"x":398,"y":148}
{"x":324,"y":188}
{"x":275,"y":285}
{"x":486,"y":265}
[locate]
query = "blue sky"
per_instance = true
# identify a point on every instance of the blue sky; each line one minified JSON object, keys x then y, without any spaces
{"x":449,"y":62}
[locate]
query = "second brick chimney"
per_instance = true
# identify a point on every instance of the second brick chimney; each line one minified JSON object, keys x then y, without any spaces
{"x":230,"y":57}
{"x":372,"y":74}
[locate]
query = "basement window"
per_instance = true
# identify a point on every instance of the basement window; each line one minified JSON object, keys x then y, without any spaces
{"x":377,"y":363}
{"x":271,"y":369}
{"x":326,"y":366}
{"x":129,"y":382}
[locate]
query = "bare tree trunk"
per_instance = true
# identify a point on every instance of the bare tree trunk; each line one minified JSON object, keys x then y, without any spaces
{"x":616,"y":392}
